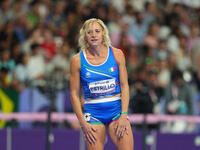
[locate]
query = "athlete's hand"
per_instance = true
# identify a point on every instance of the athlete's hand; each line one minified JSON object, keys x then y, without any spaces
{"x":88,"y":131}
{"x":121,"y":126}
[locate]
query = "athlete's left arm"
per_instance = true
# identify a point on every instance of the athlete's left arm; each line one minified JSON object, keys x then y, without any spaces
{"x":123,"y":77}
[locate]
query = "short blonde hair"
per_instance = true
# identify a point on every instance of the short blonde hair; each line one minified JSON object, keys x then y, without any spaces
{"x":83,"y":43}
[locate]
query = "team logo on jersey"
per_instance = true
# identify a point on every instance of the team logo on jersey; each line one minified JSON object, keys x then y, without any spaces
{"x":88,"y":74}
{"x":112,"y":69}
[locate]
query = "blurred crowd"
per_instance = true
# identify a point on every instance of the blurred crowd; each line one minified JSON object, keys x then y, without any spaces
{"x":160,"y":40}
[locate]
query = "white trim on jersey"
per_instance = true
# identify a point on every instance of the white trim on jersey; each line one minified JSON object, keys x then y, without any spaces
{"x":102,"y":100}
{"x":108,"y":49}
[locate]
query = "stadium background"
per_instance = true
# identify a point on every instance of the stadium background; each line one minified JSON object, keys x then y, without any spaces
{"x":160,"y":40}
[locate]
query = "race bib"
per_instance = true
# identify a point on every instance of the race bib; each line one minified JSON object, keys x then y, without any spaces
{"x":102,"y":87}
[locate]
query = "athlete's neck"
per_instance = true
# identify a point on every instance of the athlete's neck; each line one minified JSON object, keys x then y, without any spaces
{"x":97,"y":51}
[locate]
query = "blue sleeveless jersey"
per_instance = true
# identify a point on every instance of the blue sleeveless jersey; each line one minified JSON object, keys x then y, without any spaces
{"x":99,"y":80}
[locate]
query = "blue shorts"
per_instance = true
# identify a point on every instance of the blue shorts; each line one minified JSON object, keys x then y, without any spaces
{"x":102,"y":113}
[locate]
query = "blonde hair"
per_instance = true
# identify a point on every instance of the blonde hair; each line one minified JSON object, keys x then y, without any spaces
{"x":83,"y":43}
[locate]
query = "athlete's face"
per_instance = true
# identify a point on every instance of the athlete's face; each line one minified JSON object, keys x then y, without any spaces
{"x":94,"y":34}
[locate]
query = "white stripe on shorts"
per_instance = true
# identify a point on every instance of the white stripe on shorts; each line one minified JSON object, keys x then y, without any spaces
{"x":102,"y":100}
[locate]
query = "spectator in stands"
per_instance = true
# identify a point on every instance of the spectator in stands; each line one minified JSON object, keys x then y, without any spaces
{"x":6,"y":13}
{"x":36,"y":65}
{"x":172,"y":61}
{"x":164,"y":73}
{"x":133,"y":60}
{"x":156,"y":92}
{"x":139,"y":28}
{"x":151,"y":39}
{"x":161,"y":51}
{"x":35,"y":37}
{"x":193,"y":46}
{"x":144,"y":101}
{"x":73,"y":24}
{"x":178,"y":101}
{"x":48,"y":45}
{"x":115,"y":28}
{"x":7,"y":67}
{"x":8,"y":38}
{"x":19,"y":8}
{"x":194,"y":37}
{"x":179,"y":98}
{"x":21,"y":72}
{"x":151,"y":12}
{"x":56,"y":17}
{"x":16,"y":52}
{"x":183,"y":58}
{"x":4,"y":78}
{"x":61,"y":61}
{"x":33,"y":15}
{"x":141,"y":101}
{"x":6,"y":61}
{"x":21,"y":27}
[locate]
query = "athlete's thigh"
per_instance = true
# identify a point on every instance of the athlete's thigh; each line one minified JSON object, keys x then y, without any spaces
{"x":100,"y":135}
{"x":123,"y":143}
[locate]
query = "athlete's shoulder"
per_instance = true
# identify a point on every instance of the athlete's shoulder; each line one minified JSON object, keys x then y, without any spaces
{"x":75,"y":60}
{"x":117,"y":52}
{"x":76,"y":57}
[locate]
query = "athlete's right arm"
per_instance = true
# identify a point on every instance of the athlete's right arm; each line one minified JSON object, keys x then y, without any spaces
{"x":75,"y":98}
{"x":75,"y":87}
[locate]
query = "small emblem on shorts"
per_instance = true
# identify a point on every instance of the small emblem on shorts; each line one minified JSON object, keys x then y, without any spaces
{"x":87,"y":116}
{"x":88,"y":74}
